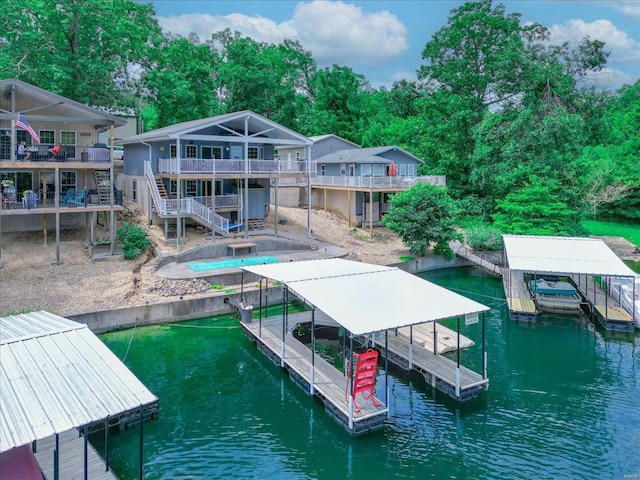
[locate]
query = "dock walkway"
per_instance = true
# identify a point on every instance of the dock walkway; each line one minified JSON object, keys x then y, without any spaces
{"x":438,"y":371}
{"x":71,"y":458}
{"x":605,"y":308}
{"x":329,"y":384}
{"x":521,"y":305}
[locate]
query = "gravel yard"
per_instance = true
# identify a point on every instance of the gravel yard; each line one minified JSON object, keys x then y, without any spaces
{"x":29,"y":280}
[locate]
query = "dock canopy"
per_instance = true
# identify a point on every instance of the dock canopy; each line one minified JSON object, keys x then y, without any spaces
{"x":366,"y":298}
{"x":55,"y":375}
{"x":563,"y":255}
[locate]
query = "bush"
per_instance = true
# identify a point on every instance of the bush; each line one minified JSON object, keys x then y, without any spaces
{"x":483,"y":237}
{"x":133,"y":240}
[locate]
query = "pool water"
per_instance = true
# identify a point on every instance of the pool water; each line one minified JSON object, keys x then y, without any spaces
{"x":231,"y":263}
{"x":563,"y":402}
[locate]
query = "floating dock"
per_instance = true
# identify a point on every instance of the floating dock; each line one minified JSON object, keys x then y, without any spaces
{"x":604,"y":308}
{"x":443,"y":374}
{"x":71,"y":458}
{"x":315,"y":376}
{"x":521,"y":305}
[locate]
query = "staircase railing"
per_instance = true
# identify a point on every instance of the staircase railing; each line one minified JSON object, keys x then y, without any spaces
{"x":162,"y":204}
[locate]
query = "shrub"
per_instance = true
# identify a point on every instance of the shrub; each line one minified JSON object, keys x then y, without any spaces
{"x":483,"y":237}
{"x":133,"y":240}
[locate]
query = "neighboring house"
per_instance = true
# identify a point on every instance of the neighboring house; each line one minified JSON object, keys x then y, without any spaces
{"x":216,"y":171}
{"x":63,"y":181}
{"x":355,"y":182}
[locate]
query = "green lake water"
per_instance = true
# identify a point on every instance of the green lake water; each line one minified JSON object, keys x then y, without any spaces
{"x":563,"y":402}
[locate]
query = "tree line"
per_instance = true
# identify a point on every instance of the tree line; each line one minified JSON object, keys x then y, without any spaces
{"x":526,"y":145}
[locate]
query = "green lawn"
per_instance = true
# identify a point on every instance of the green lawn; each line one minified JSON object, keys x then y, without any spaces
{"x":630,"y":232}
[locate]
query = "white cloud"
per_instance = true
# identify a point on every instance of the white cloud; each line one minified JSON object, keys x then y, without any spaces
{"x":335,"y":32}
{"x":608,"y":78}
{"x":338,"y":32}
{"x":630,"y":9}
{"x":623,"y":48}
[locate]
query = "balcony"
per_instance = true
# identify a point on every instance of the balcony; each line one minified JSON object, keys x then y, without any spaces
{"x":217,"y":166}
{"x":392,"y":182}
{"x":41,"y":154}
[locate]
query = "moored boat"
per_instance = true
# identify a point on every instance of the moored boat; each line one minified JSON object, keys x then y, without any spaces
{"x":553,"y":296}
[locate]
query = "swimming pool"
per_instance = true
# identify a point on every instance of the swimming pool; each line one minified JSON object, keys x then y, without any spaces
{"x":231,"y":263}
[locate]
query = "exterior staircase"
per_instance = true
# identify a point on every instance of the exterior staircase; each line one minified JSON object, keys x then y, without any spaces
{"x":103,"y":185}
{"x":161,"y":190}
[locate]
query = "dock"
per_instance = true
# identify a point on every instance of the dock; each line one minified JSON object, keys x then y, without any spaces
{"x":71,"y":458}
{"x":321,"y":379}
{"x":521,"y":305}
{"x":458,"y":382}
{"x":604,"y":308}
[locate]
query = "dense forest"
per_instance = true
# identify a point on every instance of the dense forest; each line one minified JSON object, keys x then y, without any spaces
{"x":505,"y":115}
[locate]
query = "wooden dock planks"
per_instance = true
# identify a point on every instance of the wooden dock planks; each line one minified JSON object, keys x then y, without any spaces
{"x":437,"y":366}
{"x":518,"y":296}
{"x":329,"y":383}
{"x":447,"y":338}
{"x":71,"y":458}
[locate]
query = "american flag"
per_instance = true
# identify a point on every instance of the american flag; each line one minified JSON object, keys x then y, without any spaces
{"x":25,"y":126}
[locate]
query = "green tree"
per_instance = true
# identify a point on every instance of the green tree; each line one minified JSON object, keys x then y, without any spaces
{"x":82,"y":50}
{"x":536,"y":209}
{"x":422,"y":216}
{"x":180,"y":85}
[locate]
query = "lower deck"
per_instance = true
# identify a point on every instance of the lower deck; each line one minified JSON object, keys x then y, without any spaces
{"x":316,"y":376}
{"x":443,"y":374}
{"x":71,"y":458}
{"x":604,"y":308}
{"x":521,"y":305}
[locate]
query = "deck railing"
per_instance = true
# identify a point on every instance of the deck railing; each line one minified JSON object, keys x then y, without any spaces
{"x":217,"y":166}
{"x":375,"y":182}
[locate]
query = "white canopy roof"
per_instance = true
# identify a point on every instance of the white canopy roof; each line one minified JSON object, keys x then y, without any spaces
{"x":563,"y":255}
{"x":55,"y":375}
{"x":367,"y":298}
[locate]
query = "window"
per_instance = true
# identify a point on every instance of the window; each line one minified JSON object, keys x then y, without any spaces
{"x":173,"y":189}
{"x":403,"y":169}
{"x":343,"y":169}
{"x":411,"y":170}
{"x":378,"y":170}
{"x":191,"y":151}
{"x":365,"y":170}
{"x":67,"y":180}
{"x":68,"y":139}
{"x":255,"y":153}
{"x":134,"y":190}
{"x":323,"y":170}
{"x":211,"y":152}
{"x":173,"y":151}
{"x":47,"y":137}
{"x":298,"y":156}
{"x":190,"y":188}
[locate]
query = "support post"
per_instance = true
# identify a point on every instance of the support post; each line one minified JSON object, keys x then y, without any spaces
{"x":57,"y":184}
{"x":85,"y":453}
{"x":410,"y":347}
{"x":484,"y":353}
{"x":386,"y":370}
{"x":435,"y":339}
{"x":56,"y":459}
{"x":141,"y":462}
{"x":352,"y":367}
{"x":106,"y":444}
{"x":284,"y":328}
{"x":260,"y":308}
{"x":313,"y":351}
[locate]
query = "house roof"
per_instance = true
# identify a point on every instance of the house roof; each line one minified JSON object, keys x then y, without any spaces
{"x":365,"y":155}
{"x":320,"y":138}
{"x":238,"y":126}
{"x":38,"y":105}
{"x":563,"y":255}
{"x":55,"y":375}
{"x":366,"y":298}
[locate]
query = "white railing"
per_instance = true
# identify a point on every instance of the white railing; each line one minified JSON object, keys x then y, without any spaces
{"x":199,"y":207}
{"x":230,"y":167}
{"x":376,"y":182}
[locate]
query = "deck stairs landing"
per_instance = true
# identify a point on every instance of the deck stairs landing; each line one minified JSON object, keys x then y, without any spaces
{"x":103,"y":186}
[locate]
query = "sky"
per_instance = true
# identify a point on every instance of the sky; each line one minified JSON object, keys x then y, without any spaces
{"x":384,"y":40}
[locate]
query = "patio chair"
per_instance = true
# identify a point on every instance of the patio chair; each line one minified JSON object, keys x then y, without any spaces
{"x":79,"y":199}
{"x":68,"y":196}
{"x":30,"y":200}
